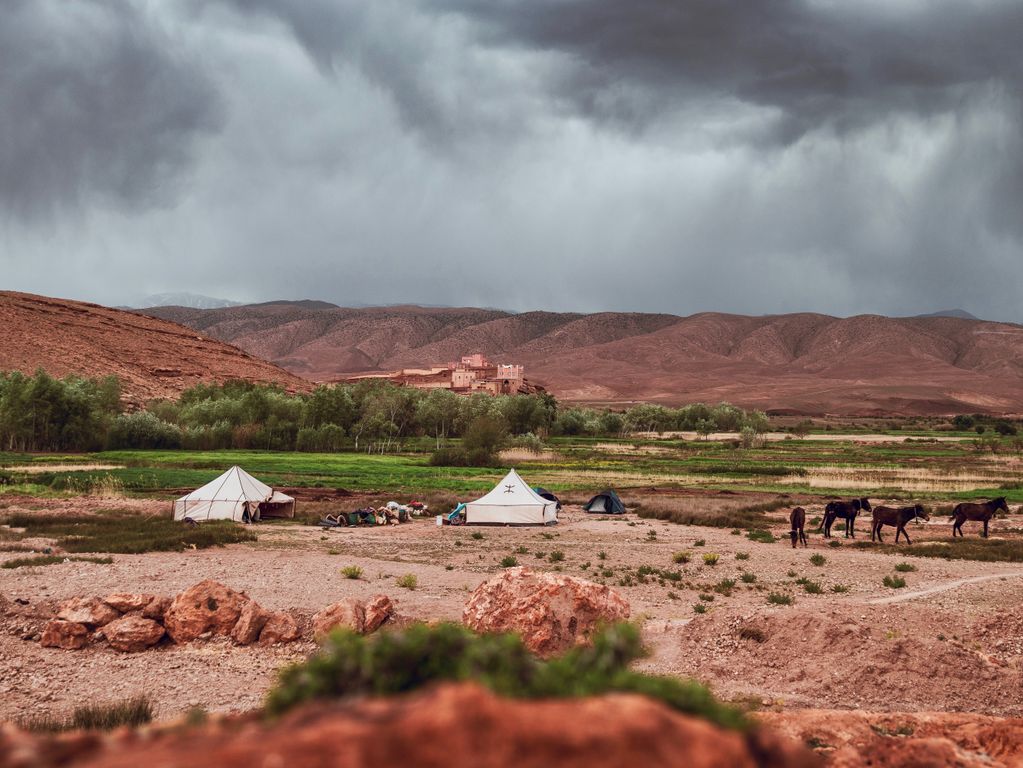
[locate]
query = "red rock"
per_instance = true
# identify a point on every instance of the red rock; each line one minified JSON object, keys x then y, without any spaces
{"x":279,"y":628}
{"x":452,"y":726}
{"x":127,"y":602}
{"x":349,"y":613}
{"x":551,"y":612}
{"x":379,"y":609}
{"x":157,"y":608}
{"x":132,"y":633}
{"x":205,"y":607}
{"x":90,"y":611}
{"x":250,"y":624}
{"x":69,"y":635}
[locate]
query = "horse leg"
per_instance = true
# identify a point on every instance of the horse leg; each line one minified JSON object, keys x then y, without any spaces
{"x":802,"y":537}
{"x":985,"y":528}
{"x":955,"y":527}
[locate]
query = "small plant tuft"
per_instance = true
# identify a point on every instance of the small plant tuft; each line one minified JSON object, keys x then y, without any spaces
{"x":408,"y":581}
{"x":778,"y":598}
{"x":352,"y":572}
{"x":818,"y":559}
{"x":711,"y":558}
{"x":894,"y":582}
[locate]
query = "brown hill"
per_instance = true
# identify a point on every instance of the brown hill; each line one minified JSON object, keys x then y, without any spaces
{"x":152,"y":357}
{"x":799,"y":363}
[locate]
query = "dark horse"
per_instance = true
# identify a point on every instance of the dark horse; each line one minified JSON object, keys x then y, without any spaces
{"x":847,"y":510}
{"x":898,"y":517}
{"x":968,"y":511}
{"x":797,"y":519}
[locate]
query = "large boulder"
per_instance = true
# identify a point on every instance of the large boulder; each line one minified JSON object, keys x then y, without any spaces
{"x":349,"y":613}
{"x":205,"y":607}
{"x":128,"y":602}
{"x":550,"y":611}
{"x":379,"y":609}
{"x":250,"y":623}
{"x":90,"y":611}
{"x":69,"y":635}
{"x":132,"y":633}
{"x":279,"y":628}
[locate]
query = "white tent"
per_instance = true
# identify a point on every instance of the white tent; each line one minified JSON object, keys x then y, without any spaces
{"x":512,"y":502}
{"x":235,"y":495}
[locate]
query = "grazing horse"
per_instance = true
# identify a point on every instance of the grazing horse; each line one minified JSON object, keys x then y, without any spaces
{"x":984,"y":512}
{"x":847,"y":510}
{"x":898,"y":517}
{"x":797,"y":519}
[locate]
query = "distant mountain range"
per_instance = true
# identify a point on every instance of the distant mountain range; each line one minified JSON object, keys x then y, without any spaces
{"x":190,"y":300}
{"x":795,"y":363}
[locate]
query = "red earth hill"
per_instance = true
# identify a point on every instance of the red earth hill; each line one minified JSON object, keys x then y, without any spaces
{"x":153,"y":358}
{"x":796,"y":363}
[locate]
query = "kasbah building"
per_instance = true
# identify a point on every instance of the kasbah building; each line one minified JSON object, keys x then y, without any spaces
{"x":470,"y":374}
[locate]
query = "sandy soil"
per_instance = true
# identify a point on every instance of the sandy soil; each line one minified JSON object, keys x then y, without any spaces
{"x":952,"y":640}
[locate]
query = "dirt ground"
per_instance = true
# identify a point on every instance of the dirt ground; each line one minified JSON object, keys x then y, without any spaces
{"x":951,"y":640}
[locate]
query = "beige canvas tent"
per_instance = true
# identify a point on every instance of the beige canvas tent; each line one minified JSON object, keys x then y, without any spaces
{"x":512,"y":502}
{"x":235,"y":495}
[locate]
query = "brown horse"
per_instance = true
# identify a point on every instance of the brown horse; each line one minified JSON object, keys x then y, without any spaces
{"x":898,"y":517}
{"x":847,"y":510}
{"x":984,"y":512}
{"x":797,"y":519}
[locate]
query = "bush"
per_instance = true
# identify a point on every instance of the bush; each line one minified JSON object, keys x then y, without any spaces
{"x":556,"y":556}
{"x":777,"y":598}
{"x":749,"y":632}
{"x":40,"y":560}
{"x":350,"y":665}
{"x":711,"y":558}
{"x":760,"y":535}
{"x":748,"y":578}
{"x":742,"y":555}
{"x":142,"y":429}
{"x":460,"y":457}
{"x":700,"y":543}
{"x":408,"y":581}
{"x":680,"y":558}
{"x":818,"y":560}
{"x":839,"y":588}
{"x":905,"y":567}
{"x":351,"y":572}
{"x":894,"y":582}
{"x":509,"y":561}
{"x":813,"y":588}
{"x":699,"y":608}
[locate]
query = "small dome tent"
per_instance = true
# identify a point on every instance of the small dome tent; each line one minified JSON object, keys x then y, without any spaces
{"x":605,"y":502}
{"x":235,"y":495}
{"x":545,"y":494}
{"x":512,"y":502}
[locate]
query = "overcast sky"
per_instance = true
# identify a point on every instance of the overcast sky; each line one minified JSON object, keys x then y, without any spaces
{"x":655,"y":155}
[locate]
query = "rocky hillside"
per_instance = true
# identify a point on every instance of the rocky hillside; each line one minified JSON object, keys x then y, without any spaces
{"x":797,"y":363}
{"x":152,"y":357}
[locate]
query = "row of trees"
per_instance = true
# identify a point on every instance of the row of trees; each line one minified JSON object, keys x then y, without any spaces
{"x":39,"y":413}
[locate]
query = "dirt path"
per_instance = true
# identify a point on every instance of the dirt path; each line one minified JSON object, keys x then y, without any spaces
{"x":938,"y":588}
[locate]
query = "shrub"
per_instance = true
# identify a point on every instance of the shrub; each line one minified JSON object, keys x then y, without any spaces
{"x":818,"y":559}
{"x":477,"y":536}
{"x":894,"y":582}
{"x":408,"y":581}
{"x":521,"y":550}
{"x":711,"y":558}
{"x":95,"y":717}
{"x":839,"y":588}
{"x":706,"y":597}
{"x":905,"y":567}
{"x":724,"y":587}
{"x":351,"y":572}
{"x":813,"y":588}
{"x":350,"y":665}
{"x":556,"y":556}
{"x":777,"y":598}
{"x":680,"y":558}
{"x":749,"y":632}
{"x":742,"y":555}
{"x":602,"y":555}
{"x":760,"y":536}
{"x":509,"y":561}
{"x":748,"y":578}
{"x":40,"y":560}
{"x":834,"y":543}
{"x":699,"y":543}
{"x":699,"y":608}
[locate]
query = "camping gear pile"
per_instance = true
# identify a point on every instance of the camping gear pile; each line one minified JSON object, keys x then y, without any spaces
{"x":391,"y":513}
{"x":235,"y":495}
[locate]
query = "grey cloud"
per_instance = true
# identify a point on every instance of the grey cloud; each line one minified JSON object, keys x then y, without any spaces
{"x":98,"y":105}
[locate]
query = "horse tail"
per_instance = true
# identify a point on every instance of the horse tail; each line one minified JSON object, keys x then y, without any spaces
{"x":956,"y":510}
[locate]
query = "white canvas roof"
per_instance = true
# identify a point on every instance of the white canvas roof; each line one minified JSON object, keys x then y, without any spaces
{"x":512,"y":502}
{"x":227,"y":497}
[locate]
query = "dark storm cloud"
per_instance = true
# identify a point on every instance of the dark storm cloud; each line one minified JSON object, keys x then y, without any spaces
{"x":844,"y":64}
{"x":659,"y":155}
{"x":96,"y":103}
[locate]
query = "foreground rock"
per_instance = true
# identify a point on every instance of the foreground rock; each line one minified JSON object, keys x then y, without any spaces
{"x":127,"y":602}
{"x":90,"y":611}
{"x":348,"y":613}
{"x":279,"y":628}
{"x":205,"y":607}
{"x":69,"y":635}
{"x":250,"y":623}
{"x":550,"y":611}
{"x":133,"y":633}
{"x":847,"y":739}
{"x":452,"y":726}
{"x":379,"y":609}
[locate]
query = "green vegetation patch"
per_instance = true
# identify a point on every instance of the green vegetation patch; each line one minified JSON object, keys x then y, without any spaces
{"x":31,"y":562}
{"x":397,"y":662}
{"x":99,"y":717}
{"x":127,"y":533}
